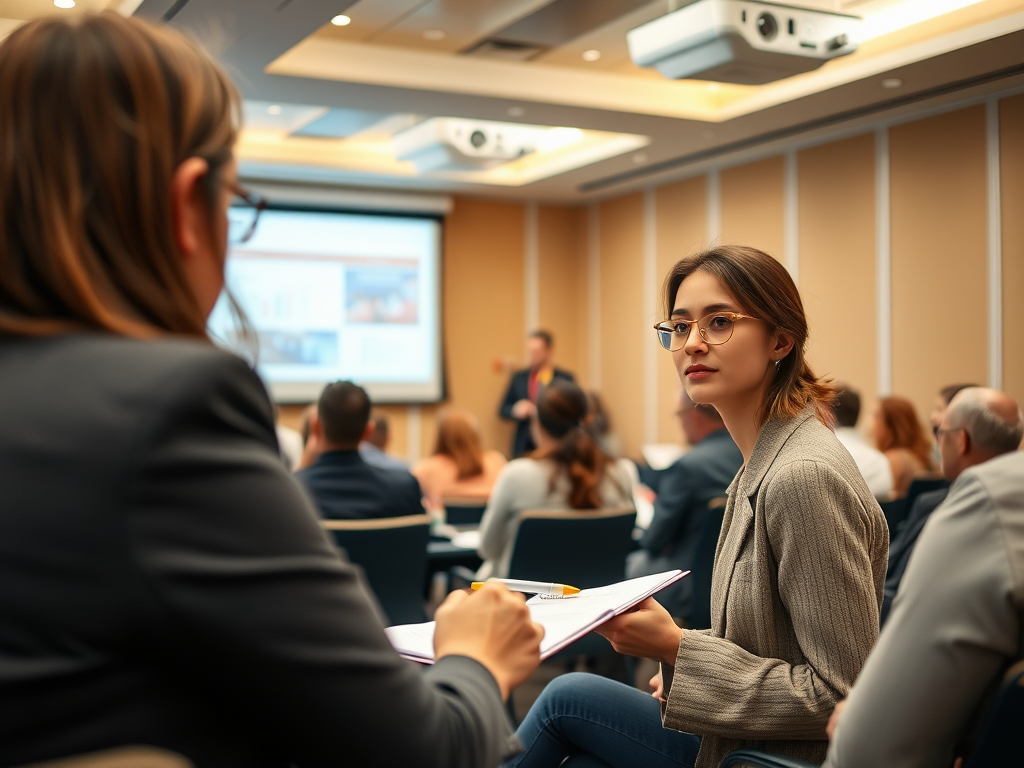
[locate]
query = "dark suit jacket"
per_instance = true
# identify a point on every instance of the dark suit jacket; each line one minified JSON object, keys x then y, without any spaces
{"x":345,"y":487}
{"x":681,"y":507}
{"x":519,"y":389}
{"x":903,"y":542}
{"x":164,"y":581}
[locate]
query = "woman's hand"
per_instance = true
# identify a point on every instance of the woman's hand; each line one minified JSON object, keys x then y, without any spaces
{"x":833,"y":721}
{"x":647,"y":631}
{"x":493,"y":626}
{"x":657,"y":686}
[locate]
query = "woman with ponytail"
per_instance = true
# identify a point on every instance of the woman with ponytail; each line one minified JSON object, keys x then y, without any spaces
{"x":797,"y":581}
{"x":567,"y":471}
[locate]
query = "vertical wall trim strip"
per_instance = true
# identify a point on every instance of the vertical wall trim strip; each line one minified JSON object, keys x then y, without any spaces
{"x":531,"y":268}
{"x":594,"y":286}
{"x":414,"y":431}
{"x":995,"y":248}
{"x":650,"y":310}
{"x":791,"y":206}
{"x":714,"y":206}
{"x":883,"y":256}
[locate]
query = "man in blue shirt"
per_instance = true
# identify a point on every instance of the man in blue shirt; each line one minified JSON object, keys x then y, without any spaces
{"x":703,"y":473}
{"x":343,"y":485}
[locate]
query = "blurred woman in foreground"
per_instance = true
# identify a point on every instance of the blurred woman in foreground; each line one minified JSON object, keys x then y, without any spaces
{"x":163,"y":580}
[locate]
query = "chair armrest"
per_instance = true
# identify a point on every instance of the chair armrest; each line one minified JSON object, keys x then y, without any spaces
{"x":460,"y":577}
{"x":753,"y":758}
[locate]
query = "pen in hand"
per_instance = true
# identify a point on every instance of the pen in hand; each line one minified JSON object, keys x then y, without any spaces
{"x":533,"y":587}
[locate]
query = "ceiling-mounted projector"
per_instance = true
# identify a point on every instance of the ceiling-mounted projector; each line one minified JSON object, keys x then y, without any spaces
{"x":455,"y":144}
{"x":742,"y":41}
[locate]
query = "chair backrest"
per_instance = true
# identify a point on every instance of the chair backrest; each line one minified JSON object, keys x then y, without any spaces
{"x":463,"y":510}
{"x":895,"y":511}
{"x":584,"y":548}
{"x":923,"y":485}
{"x":392,"y":551}
{"x":999,"y":741}
{"x":120,"y":757}
{"x":703,"y":565}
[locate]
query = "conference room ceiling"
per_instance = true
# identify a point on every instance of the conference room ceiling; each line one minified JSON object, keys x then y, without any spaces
{"x":322,"y":101}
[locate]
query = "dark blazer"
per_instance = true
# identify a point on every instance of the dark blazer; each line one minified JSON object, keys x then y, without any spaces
{"x":685,"y":488}
{"x":519,"y":389}
{"x":345,"y":487}
{"x":164,"y":581}
{"x":903,"y":542}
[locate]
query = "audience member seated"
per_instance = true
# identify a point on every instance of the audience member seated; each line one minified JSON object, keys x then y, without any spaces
{"x":567,"y":471}
{"x":871,"y":462}
{"x":163,"y":579}
{"x":955,"y":627}
{"x":343,"y":485}
{"x":599,"y":424}
{"x":938,"y":409}
{"x":978,"y":425}
{"x":374,"y":448}
{"x":459,"y":466}
{"x":681,"y":507}
{"x":289,"y":441}
{"x":899,"y":435}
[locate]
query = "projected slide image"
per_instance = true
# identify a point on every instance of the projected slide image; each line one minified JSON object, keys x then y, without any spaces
{"x":382,"y":295}
{"x":290,"y":348}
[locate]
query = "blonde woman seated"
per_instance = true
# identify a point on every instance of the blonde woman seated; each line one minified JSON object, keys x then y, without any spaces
{"x":567,"y":471}
{"x":459,"y":465}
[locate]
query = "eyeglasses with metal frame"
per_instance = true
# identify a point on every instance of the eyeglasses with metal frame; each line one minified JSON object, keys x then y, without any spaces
{"x":714,"y":328}
{"x":244,"y":213}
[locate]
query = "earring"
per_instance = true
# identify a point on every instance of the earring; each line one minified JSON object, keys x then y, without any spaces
{"x":778,"y":364}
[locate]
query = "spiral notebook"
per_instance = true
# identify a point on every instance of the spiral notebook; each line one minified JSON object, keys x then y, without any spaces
{"x":565,"y":619}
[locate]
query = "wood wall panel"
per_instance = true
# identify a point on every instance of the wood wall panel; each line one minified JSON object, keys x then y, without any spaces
{"x":1011,"y":154}
{"x":622,"y":318}
{"x":836,"y":199}
{"x":562,"y":285}
{"x":682,"y":215}
{"x":939,"y":261}
{"x":483,"y":308}
{"x":753,"y":201}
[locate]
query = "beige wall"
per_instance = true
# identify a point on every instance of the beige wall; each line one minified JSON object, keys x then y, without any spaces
{"x":838,"y":261}
{"x":938,"y":244}
{"x":1012,"y":182}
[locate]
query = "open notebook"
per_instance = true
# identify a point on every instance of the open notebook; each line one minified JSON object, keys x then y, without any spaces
{"x":565,"y":619}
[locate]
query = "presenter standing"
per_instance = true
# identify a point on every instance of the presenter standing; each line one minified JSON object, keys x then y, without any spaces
{"x":520,"y":401}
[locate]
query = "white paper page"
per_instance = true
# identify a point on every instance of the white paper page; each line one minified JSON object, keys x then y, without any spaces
{"x":413,"y":639}
{"x":614,"y":597}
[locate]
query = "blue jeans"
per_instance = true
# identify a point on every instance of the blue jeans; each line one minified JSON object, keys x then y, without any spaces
{"x":599,"y":723}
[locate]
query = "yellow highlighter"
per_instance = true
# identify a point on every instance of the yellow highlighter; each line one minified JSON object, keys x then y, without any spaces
{"x":533,"y":587}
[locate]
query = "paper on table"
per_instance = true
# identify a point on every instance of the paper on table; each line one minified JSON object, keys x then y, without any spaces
{"x":564,"y":619}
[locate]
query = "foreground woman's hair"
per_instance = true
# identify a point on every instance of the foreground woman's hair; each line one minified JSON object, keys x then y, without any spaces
{"x":96,"y":114}
{"x":764,"y":289}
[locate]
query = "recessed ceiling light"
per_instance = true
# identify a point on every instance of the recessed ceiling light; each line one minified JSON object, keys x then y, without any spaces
{"x":64,"y":3}
{"x":274,"y":109}
{"x":516,"y":111}
{"x":892,"y":82}
{"x":341,"y":20}
{"x":433,"y":34}
{"x":592,"y":55}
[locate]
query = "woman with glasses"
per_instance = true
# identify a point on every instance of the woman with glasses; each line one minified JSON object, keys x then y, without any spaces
{"x":163,"y":579}
{"x":798,"y":575}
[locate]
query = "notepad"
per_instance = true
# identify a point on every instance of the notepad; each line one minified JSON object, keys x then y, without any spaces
{"x":565,"y":620}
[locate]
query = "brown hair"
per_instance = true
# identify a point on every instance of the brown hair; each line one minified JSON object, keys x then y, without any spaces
{"x":561,"y":409}
{"x":765,"y":290}
{"x":96,"y":114}
{"x":904,"y":429}
{"x":458,"y":438}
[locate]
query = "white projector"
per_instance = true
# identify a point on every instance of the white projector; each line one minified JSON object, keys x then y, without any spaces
{"x":742,"y":41}
{"x":455,"y":144}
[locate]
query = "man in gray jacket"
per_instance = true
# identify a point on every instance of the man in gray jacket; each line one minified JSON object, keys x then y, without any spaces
{"x":956,"y":624}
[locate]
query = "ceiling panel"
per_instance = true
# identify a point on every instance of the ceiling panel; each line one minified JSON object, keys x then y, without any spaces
{"x":34,"y":9}
{"x":371,"y":18}
{"x":462,"y":22}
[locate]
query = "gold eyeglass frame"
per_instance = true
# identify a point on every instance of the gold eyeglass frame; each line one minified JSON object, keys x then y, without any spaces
{"x":733,"y":316}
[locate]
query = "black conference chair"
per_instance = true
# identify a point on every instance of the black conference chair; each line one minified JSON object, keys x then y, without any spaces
{"x":895,"y":511}
{"x":392,"y":552}
{"x":923,"y":485}
{"x":464,"y":511}
{"x":699,"y":616}
{"x":999,"y":742}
